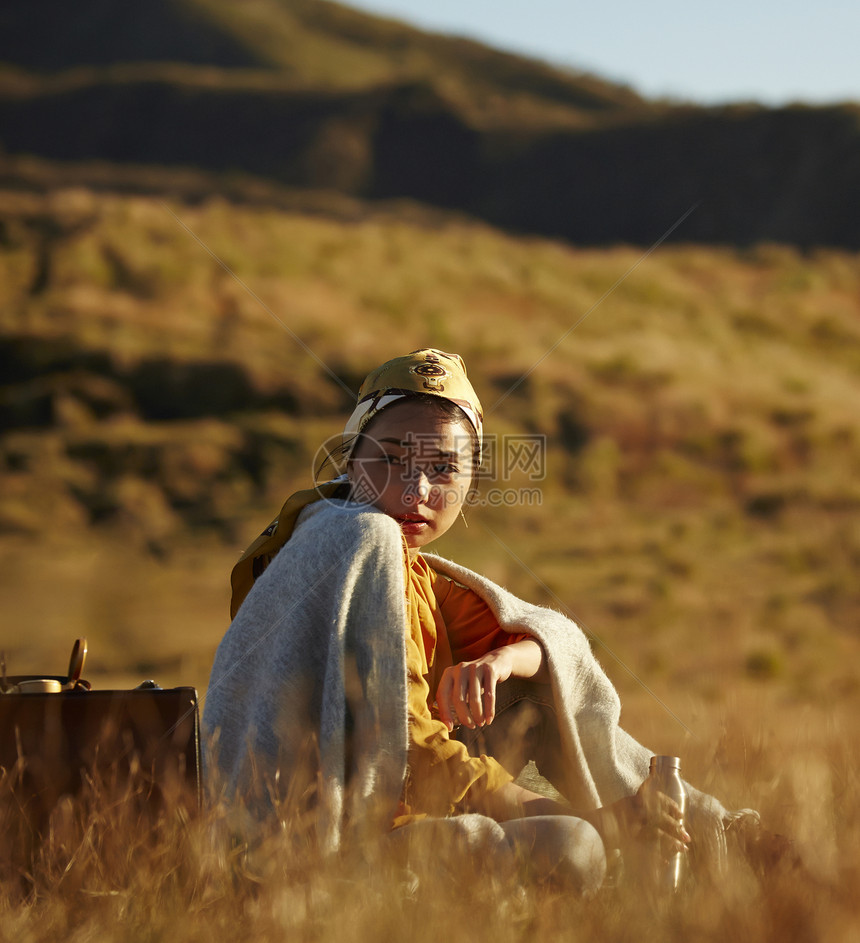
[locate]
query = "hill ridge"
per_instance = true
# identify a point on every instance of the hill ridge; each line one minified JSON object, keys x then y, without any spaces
{"x":429,"y":119}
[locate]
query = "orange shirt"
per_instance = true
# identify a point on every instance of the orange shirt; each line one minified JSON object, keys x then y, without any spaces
{"x":472,"y":629}
{"x":448,"y":624}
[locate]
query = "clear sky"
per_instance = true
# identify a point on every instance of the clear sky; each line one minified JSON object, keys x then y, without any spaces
{"x":770,"y":51}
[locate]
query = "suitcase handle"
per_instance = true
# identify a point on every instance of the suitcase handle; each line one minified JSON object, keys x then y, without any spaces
{"x":76,"y":666}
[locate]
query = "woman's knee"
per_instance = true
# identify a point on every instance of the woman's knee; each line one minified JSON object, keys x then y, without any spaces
{"x":453,"y":846}
{"x":560,"y":849}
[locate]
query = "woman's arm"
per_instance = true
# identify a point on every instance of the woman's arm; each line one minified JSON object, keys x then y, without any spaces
{"x":467,"y":691}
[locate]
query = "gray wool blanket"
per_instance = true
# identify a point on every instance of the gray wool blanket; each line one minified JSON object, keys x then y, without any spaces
{"x":308,"y":689}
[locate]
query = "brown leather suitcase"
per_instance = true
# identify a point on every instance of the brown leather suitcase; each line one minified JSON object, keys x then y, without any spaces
{"x":140,"y":746}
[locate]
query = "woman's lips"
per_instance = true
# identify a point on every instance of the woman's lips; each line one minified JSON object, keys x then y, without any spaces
{"x":412,"y":523}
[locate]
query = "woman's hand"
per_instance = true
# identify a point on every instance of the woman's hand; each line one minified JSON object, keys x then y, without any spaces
{"x":643,"y":816}
{"x":467,"y":692}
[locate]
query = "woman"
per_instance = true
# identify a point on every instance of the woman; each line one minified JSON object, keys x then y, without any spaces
{"x":353,"y":657}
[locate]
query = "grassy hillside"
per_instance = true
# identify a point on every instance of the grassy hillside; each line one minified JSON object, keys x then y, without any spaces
{"x":317,"y":97}
{"x":311,"y":44}
{"x":168,"y":371}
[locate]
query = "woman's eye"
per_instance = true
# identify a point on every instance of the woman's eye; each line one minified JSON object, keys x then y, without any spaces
{"x":446,"y":468}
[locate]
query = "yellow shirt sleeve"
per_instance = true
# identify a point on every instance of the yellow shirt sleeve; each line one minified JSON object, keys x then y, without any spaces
{"x":441,"y":772}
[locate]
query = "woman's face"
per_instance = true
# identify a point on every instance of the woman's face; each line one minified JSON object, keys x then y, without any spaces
{"x":416,"y":466}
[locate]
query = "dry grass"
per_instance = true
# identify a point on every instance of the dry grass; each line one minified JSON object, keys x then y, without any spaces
{"x":112,"y":875}
{"x":698,"y":517}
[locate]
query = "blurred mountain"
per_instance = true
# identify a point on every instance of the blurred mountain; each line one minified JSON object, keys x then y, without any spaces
{"x":311,"y":95}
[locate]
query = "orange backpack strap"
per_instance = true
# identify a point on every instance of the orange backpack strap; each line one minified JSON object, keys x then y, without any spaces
{"x":262,"y":551}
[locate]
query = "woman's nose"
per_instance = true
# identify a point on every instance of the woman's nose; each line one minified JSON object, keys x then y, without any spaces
{"x":419,"y":486}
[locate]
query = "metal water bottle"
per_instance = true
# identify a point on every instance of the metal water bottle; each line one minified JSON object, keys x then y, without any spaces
{"x":664,"y":776}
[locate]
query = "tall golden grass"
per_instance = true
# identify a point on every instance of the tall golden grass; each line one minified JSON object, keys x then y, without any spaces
{"x":106,"y":871}
{"x":698,"y":517}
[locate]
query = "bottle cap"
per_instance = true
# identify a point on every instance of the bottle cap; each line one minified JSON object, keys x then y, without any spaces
{"x":665,"y":762}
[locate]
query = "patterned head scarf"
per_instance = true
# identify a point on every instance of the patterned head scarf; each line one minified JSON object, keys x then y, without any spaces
{"x":422,"y":371}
